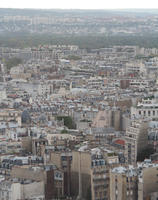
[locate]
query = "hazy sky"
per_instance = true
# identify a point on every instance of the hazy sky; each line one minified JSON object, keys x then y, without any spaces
{"x":85,"y":4}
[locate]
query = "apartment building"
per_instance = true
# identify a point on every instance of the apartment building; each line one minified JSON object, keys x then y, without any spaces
{"x":90,"y":174}
{"x":14,"y":189}
{"x":123,"y":183}
{"x":147,"y":108}
{"x":10,"y":115}
{"x":52,"y":177}
{"x":148,"y":180}
{"x":136,"y":139}
{"x":63,"y":161}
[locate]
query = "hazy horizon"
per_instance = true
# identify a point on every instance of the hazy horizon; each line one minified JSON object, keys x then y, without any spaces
{"x":82,"y":4}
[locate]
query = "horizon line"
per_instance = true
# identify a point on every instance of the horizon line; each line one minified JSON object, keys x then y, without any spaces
{"x":80,"y":8}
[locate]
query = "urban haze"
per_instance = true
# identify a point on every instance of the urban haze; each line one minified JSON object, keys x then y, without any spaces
{"x":78,"y":104}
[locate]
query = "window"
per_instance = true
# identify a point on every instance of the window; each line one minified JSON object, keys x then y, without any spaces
{"x":148,"y":112}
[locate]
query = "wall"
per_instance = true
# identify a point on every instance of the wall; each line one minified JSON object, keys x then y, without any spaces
{"x":85,"y":171}
{"x":26,"y":173}
{"x":32,"y":190}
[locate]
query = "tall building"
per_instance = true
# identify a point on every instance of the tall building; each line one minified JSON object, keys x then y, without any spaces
{"x":148,"y":180}
{"x":136,"y":138}
{"x":63,"y":161}
{"x":90,"y":173}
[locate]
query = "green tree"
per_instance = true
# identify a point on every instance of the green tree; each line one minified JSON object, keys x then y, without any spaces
{"x":12,"y":62}
{"x":64,"y":131}
{"x":68,"y":121}
{"x":74,"y":57}
{"x":145,"y":153}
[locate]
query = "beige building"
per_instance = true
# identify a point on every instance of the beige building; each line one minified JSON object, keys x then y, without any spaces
{"x":100,"y":183}
{"x":56,"y":137}
{"x":10,"y":115}
{"x":136,"y":138}
{"x":63,"y":161}
{"x":111,"y":117}
{"x":52,"y":177}
{"x":134,"y":183}
{"x":148,"y":182}
{"x":103,"y":119}
{"x":14,"y":189}
{"x":90,"y":173}
{"x":123,"y":184}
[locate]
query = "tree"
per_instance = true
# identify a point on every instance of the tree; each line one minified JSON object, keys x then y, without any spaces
{"x":12,"y":62}
{"x":73,"y":57}
{"x":68,"y":121}
{"x":64,"y":131}
{"x":145,"y":153}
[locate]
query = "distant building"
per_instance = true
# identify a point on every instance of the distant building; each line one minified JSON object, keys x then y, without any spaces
{"x":147,"y":108}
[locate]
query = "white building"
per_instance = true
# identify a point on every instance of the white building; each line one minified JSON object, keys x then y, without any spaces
{"x":148,"y":108}
{"x":45,"y":89}
{"x":3,"y":95}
